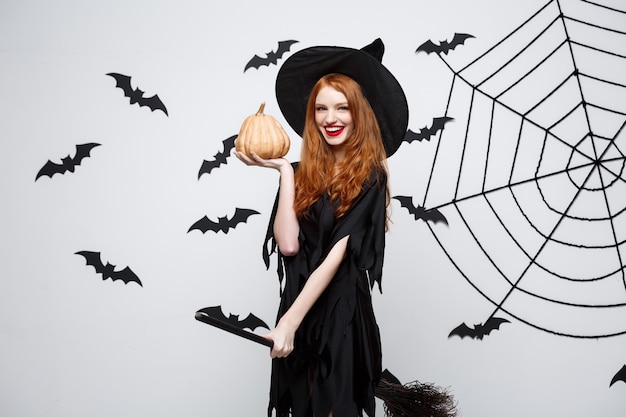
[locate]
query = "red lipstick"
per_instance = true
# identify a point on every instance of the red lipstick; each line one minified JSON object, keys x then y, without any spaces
{"x":334,"y":130}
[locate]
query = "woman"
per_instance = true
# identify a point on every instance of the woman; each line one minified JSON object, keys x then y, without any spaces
{"x":328,"y":223}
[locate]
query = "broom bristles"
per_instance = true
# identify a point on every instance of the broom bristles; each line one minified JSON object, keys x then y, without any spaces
{"x":415,"y":399}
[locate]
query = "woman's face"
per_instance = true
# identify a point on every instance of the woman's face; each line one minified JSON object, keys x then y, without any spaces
{"x":332,"y":117}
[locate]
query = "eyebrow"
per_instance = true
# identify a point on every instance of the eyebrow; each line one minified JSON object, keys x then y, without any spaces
{"x":343,"y":103}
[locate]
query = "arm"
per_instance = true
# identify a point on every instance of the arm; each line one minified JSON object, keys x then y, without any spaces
{"x":284,"y":332}
{"x":286,"y":226}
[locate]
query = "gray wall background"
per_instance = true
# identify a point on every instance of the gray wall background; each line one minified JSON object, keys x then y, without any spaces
{"x":72,"y":344}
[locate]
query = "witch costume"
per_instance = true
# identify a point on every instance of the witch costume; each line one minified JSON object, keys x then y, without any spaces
{"x":336,"y":363}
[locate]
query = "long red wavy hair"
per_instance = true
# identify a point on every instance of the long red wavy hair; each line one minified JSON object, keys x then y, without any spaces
{"x":365,"y":153}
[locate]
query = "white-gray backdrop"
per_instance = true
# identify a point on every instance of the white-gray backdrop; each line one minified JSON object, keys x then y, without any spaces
{"x":72,"y":344}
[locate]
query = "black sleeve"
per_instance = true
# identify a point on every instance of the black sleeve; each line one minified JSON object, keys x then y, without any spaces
{"x":365,"y":223}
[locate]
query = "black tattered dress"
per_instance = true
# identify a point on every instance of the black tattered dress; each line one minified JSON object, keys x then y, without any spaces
{"x":336,"y":363}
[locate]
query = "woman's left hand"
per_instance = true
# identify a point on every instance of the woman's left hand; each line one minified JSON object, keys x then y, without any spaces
{"x":283,"y":337}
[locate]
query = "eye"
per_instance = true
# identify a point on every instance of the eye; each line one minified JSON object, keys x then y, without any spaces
{"x":320,"y":108}
{"x":344,"y":108}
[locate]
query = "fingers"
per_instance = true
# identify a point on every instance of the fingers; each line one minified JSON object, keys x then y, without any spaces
{"x":282,"y":346}
{"x":281,"y":351}
{"x":252,"y":159}
{"x":255,"y":160}
{"x":246,"y":159}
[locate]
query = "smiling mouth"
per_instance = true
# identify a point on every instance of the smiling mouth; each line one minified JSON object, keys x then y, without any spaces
{"x":333,"y":130}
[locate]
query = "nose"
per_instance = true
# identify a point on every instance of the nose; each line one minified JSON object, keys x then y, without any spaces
{"x":331,"y":117}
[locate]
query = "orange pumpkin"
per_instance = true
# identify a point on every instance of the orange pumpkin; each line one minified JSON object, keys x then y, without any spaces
{"x":262,"y":134}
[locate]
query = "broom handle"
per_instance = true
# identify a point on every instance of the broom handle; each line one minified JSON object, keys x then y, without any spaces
{"x":229,"y":327}
{"x":388,"y":389}
{"x":233,"y":329}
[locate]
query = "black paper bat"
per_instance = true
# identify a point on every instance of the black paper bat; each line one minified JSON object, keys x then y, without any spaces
{"x":108,"y":270}
{"x":480,"y":330}
{"x":136,"y":95}
{"x":68,"y":163}
{"x":619,"y":376}
{"x":202,"y":316}
{"x":419,"y":212}
{"x":251,"y":321}
{"x":271,"y":57}
{"x":427,"y":132}
{"x":444,"y":46}
{"x":224,"y":224}
{"x":219,"y":158}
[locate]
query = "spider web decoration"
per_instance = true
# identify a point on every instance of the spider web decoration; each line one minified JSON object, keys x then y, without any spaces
{"x":530,"y":176}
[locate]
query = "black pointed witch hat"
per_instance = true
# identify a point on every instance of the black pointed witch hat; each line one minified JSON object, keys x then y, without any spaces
{"x":302,"y":70}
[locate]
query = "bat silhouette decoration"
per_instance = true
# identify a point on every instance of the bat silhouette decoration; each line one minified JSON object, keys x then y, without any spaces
{"x":619,"y":376}
{"x":69,"y":163}
{"x":215,"y":317}
{"x":480,"y":330}
{"x":136,"y":95}
{"x":427,"y":132}
{"x":219,"y":158}
{"x":250,"y":322}
{"x":419,"y":212}
{"x":108,"y":271}
{"x":223,"y":223}
{"x":444,"y":46}
{"x":271,"y":57}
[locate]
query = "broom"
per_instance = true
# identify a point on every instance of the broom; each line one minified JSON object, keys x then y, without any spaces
{"x":414,"y":399}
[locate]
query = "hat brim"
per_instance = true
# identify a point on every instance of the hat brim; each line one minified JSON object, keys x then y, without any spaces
{"x":302,"y":70}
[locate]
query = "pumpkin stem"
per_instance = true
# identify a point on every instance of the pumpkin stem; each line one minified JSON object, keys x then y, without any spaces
{"x":260,"y":112}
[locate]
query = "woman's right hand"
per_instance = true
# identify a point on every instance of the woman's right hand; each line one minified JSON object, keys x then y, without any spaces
{"x":256,"y":160}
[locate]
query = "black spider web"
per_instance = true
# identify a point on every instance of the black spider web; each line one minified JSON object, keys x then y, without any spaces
{"x":537,"y":206}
